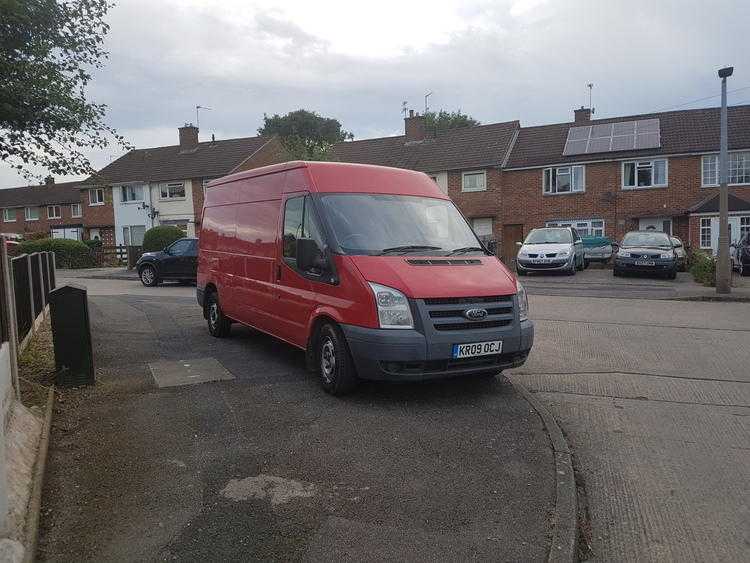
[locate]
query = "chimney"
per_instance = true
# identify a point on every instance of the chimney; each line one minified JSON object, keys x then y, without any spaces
{"x":49,"y":181}
{"x":582,"y":115}
{"x":414,"y":127}
{"x":188,"y":138}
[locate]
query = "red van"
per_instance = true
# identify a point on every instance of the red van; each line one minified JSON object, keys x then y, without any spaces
{"x":372,"y":271}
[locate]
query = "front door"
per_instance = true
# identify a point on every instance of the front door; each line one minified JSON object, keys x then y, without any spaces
{"x":511,"y":235}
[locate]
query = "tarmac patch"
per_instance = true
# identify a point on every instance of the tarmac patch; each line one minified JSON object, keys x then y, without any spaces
{"x":277,"y":489}
{"x":167,"y":373}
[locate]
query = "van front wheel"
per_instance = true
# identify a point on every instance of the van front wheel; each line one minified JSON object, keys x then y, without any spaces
{"x":218,"y":325}
{"x":335,"y":365}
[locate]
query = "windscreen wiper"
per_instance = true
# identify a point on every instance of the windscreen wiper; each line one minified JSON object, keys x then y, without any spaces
{"x":464,"y":249}
{"x":408,"y":248}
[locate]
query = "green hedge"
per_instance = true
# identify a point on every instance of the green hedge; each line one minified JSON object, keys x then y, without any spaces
{"x":703,"y":267}
{"x":68,"y":253}
{"x":158,"y":238}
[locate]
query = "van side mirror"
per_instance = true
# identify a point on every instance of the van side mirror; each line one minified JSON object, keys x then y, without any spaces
{"x":309,"y":255}
{"x":491,"y":246}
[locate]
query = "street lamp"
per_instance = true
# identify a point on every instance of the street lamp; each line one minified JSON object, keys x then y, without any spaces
{"x":722,"y":269}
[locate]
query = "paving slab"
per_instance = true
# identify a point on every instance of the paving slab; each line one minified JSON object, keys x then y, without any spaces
{"x":170,"y":373}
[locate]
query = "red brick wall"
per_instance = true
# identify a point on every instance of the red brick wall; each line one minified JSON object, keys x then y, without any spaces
{"x":98,"y":215}
{"x":43,"y":225}
{"x":488,"y":203}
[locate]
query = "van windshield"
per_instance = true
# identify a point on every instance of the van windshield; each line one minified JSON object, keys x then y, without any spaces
{"x":374,"y":224}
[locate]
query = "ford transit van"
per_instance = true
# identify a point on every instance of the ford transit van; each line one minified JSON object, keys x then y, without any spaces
{"x":372,"y":271}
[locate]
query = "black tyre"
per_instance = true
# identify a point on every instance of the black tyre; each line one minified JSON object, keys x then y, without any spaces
{"x":148,"y":276}
{"x":581,"y":265}
{"x":334,"y":361}
{"x":572,"y":270}
{"x":672,"y":274}
{"x":218,"y":325}
{"x":744,"y":270}
{"x":616,"y":273}
{"x":586,"y":264}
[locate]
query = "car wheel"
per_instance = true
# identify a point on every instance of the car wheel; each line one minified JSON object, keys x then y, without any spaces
{"x":672,"y":274}
{"x":572,"y":270}
{"x":586,"y":264}
{"x":744,"y":271}
{"x":334,"y":361}
{"x":148,"y":276}
{"x":580,"y":265}
{"x":616,"y":273}
{"x":218,"y":325}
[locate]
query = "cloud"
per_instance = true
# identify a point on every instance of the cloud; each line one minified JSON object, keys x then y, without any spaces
{"x":514,"y":59}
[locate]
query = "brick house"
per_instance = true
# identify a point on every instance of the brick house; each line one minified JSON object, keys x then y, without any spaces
{"x":165,"y":185}
{"x":464,"y":162}
{"x":60,"y":210}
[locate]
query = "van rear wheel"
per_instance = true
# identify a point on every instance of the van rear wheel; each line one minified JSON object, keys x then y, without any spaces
{"x":218,"y":325}
{"x":334,"y":361}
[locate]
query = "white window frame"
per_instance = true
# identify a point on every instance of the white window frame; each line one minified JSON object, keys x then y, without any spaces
{"x":94,"y":201}
{"x":575,"y":223}
{"x":639,"y":162}
{"x":73,"y":213}
{"x":570,"y":171}
{"x":6,"y":211}
{"x":167,"y":185}
{"x":704,"y":226}
{"x":715,"y":158}
{"x":124,"y":187}
{"x":473,"y":173}
{"x":492,"y":226}
{"x":26,"y":216}
{"x":744,"y":225}
{"x":54,"y":215}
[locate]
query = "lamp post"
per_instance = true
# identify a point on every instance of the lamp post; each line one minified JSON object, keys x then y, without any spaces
{"x":722,"y":269}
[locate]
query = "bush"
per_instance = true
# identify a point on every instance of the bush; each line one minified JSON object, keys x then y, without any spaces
{"x":68,"y":253}
{"x":35,"y":236}
{"x":93,"y":243}
{"x":158,"y":238}
{"x":703,"y":268}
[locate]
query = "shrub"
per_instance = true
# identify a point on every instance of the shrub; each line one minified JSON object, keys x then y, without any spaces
{"x":35,"y":236}
{"x":93,"y":243}
{"x":703,"y":267}
{"x":157,"y":238}
{"x":68,"y":253}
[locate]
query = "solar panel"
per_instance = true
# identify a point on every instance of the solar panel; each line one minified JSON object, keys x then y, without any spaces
{"x":610,"y":137}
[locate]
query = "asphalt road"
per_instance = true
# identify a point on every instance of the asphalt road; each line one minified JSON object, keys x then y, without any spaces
{"x":267,"y":466}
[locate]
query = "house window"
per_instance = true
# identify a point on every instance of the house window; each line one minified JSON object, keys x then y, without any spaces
{"x":131,"y":193}
{"x":744,"y":226}
{"x":705,"y":232}
{"x":585,"y":228}
{"x":173,"y":190}
{"x":133,"y":235}
{"x":54,"y":212}
{"x":9,"y":215}
{"x":565,"y":179}
{"x":31,"y":213}
{"x":482,"y":227}
{"x":75,"y":210}
{"x":96,"y":196}
{"x":474,"y":181}
{"x":739,"y":169}
{"x":644,"y":174}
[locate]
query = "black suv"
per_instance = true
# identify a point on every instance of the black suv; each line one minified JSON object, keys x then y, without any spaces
{"x":178,"y":261}
{"x":741,"y":255}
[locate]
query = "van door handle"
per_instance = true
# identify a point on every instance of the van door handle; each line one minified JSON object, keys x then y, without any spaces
{"x":278,"y":272}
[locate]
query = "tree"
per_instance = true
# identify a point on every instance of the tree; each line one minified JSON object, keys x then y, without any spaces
{"x":47,"y":50}
{"x":445,"y":120}
{"x":305,"y":134}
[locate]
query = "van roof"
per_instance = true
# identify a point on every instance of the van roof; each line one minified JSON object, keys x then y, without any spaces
{"x":344,"y":177}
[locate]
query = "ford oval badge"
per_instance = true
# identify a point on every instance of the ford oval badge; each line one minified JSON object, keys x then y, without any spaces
{"x":475,"y":314}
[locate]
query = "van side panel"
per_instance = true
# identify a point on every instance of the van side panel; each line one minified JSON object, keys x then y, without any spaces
{"x":215,"y":263}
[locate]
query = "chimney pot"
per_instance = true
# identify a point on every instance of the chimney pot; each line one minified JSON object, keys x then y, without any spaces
{"x":582,"y":115}
{"x":411,"y":113}
{"x":188,"y":138}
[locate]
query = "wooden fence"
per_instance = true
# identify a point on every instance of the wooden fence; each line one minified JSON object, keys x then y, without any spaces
{"x":32,"y":277}
{"x":120,"y":254}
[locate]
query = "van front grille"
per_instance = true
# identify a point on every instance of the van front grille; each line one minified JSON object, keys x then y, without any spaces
{"x":472,"y":325}
{"x":448,"y":313}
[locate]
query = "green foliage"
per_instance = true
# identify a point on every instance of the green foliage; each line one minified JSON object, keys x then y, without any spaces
{"x":36,"y":235}
{"x":305,"y":134}
{"x":444,"y":120}
{"x":158,"y":238}
{"x":68,"y":253}
{"x":93,"y":243}
{"x":48,"y":48}
{"x":703,"y":268}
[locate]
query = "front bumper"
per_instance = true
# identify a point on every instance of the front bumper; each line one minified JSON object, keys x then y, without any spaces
{"x":407,"y":355}
{"x":661,"y":265}
{"x":555,"y":265}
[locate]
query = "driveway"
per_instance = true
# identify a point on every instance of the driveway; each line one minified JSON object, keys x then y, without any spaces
{"x":267,"y":466}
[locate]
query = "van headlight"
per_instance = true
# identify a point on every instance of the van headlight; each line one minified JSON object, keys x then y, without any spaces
{"x":393,"y":307}
{"x":523,"y":302}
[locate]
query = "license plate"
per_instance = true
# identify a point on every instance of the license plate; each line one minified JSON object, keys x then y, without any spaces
{"x":644,"y":262}
{"x":540,"y":260}
{"x":473,"y":349}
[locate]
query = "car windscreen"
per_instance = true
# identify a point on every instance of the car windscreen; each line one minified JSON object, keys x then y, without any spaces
{"x":373,"y":224}
{"x":549,"y":236}
{"x":646,"y":239}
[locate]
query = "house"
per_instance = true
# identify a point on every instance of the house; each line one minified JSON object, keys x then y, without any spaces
{"x":50,"y":208}
{"x":604,"y":176}
{"x":464,"y":162}
{"x":165,"y":185}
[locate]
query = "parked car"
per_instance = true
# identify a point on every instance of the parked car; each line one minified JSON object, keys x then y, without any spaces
{"x":372,"y":271}
{"x":597,"y":249}
{"x":551,"y":249}
{"x":680,"y":252}
{"x":740,"y":255}
{"x":649,"y":252}
{"x":178,"y":261}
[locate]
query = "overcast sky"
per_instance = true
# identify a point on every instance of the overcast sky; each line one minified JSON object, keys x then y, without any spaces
{"x":358,"y":61}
